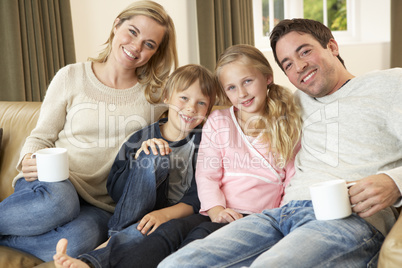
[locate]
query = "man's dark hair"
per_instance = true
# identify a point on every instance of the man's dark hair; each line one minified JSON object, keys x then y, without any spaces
{"x":318,"y":30}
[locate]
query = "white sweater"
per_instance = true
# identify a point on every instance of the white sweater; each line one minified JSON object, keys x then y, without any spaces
{"x":91,"y":121}
{"x":351,"y":134}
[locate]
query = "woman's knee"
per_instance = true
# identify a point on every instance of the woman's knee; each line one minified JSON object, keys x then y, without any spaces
{"x":60,"y":197}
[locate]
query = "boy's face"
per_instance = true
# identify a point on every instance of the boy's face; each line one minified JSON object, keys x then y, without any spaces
{"x":187,"y":109}
{"x":308,"y":66}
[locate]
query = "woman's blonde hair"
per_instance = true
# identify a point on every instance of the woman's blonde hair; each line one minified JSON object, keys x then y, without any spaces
{"x":183,"y":77}
{"x":281,"y":122}
{"x":155,"y":72}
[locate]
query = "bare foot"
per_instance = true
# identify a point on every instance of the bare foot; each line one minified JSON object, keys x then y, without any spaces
{"x":103,"y":244}
{"x":62,"y":260}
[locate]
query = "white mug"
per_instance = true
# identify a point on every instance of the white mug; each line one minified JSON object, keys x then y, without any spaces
{"x":331,"y":199}
{"x":52,"y":164}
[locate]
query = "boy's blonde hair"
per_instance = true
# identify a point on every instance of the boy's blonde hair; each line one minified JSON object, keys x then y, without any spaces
{"x":184,"y":76}
{"x":155,"y":72}
{"x":281,"y":122}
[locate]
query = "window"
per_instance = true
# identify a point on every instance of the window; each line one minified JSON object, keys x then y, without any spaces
{"x":336,"y":14}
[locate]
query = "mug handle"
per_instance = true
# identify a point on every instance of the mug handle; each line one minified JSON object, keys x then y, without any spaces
{"x":348,"y":185}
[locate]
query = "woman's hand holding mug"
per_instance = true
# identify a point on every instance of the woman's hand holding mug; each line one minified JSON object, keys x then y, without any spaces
{"x":29,"y":168}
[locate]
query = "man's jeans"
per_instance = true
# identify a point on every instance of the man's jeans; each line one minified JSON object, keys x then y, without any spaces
{"x":289,"y":236}
{"x":38,"y":214}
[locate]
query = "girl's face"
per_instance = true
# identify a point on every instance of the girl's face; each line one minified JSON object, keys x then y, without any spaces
{"x":187,"y":109}
{"x":136,"y":40}
{"x":246,"y":87}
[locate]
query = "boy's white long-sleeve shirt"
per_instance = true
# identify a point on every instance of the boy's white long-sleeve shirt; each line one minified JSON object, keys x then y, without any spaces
{"x":235,"y":171}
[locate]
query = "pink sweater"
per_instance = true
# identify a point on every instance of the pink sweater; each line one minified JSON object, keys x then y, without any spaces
{"x":235,"y":171}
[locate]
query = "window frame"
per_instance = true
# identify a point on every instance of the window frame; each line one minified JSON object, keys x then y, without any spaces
{"x":294,"y":9}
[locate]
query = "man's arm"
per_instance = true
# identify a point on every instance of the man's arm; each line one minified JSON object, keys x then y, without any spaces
{"x":373,"y":193}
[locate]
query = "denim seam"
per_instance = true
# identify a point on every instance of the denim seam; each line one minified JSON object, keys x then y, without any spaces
{"x":249,"y":256}
{"x":258,"y":253}
{"x":92,"y":259}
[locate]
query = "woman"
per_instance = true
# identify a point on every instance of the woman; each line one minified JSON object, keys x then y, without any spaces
{"x":90,"y":108}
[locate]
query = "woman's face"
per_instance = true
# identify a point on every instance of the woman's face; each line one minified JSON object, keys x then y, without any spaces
{"x":135,"y":41}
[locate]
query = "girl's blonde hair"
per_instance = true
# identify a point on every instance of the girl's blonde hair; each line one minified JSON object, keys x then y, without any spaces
{"x":281,"y":121}
{"x":183,"y":77}
{"x":155,"y":72}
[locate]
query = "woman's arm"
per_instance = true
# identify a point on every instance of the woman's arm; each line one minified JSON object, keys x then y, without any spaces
{"x":50,"y":123}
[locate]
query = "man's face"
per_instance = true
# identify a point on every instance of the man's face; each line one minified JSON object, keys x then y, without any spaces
{"x":308,"y":66}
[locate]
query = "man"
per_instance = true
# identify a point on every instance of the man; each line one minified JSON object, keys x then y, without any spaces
{"x":352,"y":130}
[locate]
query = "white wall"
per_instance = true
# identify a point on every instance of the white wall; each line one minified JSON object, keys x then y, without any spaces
{"x":93,"y":20}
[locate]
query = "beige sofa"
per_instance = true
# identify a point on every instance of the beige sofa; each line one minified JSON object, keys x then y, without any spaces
{"x":18,"y":119}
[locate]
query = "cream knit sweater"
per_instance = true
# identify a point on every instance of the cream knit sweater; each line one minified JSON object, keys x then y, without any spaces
{"x":91,"y":121}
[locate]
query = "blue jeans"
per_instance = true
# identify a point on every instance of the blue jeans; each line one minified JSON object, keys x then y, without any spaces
{"x":201,"y":231}
{"x":145,"y":190}
{"x":289,"y":236}
{"x":39,"y":214}
{"x":34,"y":207}
{"x":130,"y":247}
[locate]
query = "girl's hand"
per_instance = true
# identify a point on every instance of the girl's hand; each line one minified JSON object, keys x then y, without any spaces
{"x":29,"y":169}
{"x":223,"y":215}
{"x":162,"y":145}
{"x":150,"y":222}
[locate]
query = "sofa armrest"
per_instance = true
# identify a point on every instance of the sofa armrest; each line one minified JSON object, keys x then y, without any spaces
{"x":390,"y":254}
{"x":17,"y":120}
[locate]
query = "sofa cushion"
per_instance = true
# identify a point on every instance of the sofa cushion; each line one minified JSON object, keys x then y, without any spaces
{"x":11,"y":258}
{"x":1,"y":136}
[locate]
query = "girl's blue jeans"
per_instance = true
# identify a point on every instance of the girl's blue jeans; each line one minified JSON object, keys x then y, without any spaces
{"x":38,"y":214}
{"x":289,"y":236}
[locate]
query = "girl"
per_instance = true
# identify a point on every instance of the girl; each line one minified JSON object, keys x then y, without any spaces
{"x":153,"y":188}
{"x":246,"y":155}
{"x":89,"y":109}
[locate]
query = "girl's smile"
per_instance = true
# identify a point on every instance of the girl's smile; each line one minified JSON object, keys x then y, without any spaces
{"x":248,"y":102}
{"x":246,"y":87}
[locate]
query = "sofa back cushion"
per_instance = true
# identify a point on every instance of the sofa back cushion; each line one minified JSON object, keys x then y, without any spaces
{"x":1,"y":136}
{"x":17,"y":120}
